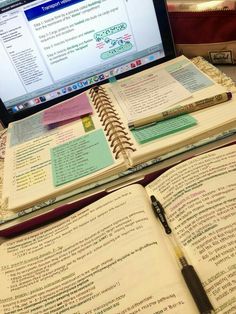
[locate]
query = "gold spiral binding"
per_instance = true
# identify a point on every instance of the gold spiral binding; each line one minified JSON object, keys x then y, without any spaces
{"x":113,"y":126}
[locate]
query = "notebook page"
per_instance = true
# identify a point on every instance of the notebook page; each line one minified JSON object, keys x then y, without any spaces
{"x":44,"y":166}
{"x":210,"y":121}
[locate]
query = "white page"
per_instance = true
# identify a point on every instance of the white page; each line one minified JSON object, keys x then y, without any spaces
{"x":30,"y":176}
{"x":157,"y":90}
{"x":210,"y":121}
{"x":109,"y":258}
{"x":199,"y":199}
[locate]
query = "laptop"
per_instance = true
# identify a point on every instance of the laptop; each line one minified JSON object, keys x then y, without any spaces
{"x":52,"y":50}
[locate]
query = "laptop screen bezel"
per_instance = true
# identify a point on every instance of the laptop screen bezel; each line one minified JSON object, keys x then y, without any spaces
{"x":169,"y":50}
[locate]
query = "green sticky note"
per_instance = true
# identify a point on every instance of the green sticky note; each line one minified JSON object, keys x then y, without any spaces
{"x":163,"y":128}
{"x":80,"y":157}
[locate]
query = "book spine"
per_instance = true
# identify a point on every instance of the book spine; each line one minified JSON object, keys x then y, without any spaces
{"x":117,"y":136}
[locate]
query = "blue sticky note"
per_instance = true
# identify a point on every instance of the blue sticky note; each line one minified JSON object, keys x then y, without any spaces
{"x":27,"y":129}
{"x":191,"y":78}
{"x":163,"y":128}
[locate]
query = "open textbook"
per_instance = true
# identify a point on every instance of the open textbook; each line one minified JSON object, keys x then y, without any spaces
{"x":43,"y":162}
{"x":114,"y":257}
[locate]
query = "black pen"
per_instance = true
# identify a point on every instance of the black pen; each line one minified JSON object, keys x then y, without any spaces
{"x":190,"y":276}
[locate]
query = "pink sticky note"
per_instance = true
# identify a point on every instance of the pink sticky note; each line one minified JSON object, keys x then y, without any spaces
{"x":75,"y":107}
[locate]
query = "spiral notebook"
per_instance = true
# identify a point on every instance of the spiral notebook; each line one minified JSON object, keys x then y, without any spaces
{"x":44,"y":161}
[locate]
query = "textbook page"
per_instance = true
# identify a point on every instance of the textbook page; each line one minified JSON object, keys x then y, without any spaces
{"x":199,"y":199}
{"x":43,"y":162}
{"x":209,"y":121}
{"x":107,"y":258}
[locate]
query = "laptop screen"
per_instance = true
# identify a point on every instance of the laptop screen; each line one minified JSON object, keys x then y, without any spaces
{"x":51,"y":50}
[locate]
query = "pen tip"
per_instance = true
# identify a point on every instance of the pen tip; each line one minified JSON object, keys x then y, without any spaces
{"x":152,"y":198}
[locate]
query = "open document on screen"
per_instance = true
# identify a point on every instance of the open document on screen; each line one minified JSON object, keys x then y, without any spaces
{"x":50,"y":48}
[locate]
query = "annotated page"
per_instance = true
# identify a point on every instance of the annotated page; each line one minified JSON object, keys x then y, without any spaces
{"x":199,"y":198}
{"x":157,"y":89}
{"x":149,"y":93}
{"x":107,"y":258}
{"x":154,"y":140}
{"x":45,"y":161}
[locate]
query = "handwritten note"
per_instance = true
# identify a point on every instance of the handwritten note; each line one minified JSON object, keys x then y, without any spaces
{"x":80,"y":157}
{"x":75,"y":107}
{"x":148,"y":94}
